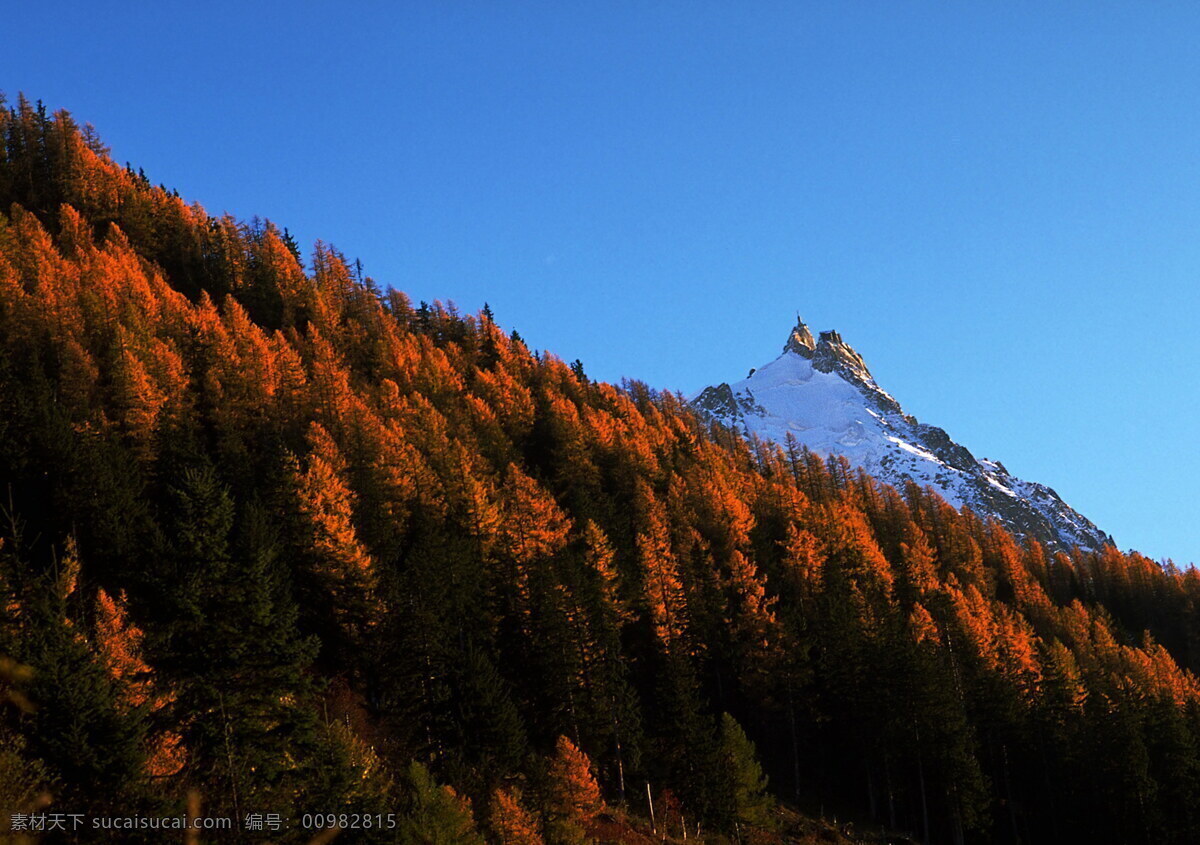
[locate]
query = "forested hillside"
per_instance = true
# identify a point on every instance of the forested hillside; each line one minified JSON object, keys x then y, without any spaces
{"x":276,"y":537}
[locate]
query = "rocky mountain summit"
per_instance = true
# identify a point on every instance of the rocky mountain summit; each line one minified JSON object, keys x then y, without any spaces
{"x":821,"y":392}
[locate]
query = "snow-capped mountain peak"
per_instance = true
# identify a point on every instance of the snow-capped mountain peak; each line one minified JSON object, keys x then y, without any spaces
{"x":821,"y":392}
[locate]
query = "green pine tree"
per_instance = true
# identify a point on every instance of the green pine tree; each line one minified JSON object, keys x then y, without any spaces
{"x":233,"y":650}
{"x":435,"y":815}
{"x":753,"y":804}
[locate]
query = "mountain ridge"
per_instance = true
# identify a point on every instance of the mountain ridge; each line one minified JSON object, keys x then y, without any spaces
{"x":271,"y":525}
{"x":820,"y":393}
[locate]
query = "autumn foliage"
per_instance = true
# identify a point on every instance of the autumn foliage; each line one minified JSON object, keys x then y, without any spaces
{"x":273,"y":533}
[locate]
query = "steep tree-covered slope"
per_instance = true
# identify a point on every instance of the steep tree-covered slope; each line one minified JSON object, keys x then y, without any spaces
{"x":277,"y":538}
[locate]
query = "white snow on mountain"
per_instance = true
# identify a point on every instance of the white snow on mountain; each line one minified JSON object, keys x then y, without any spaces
{"x":822,"y":394}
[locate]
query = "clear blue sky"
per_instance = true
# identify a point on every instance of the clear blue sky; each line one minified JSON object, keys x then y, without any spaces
{"x":998,"y":204}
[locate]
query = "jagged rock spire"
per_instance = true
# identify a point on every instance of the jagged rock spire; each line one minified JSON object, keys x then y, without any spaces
{"x":828,"y":353}
{"x":833,"y":353}
{"x":800,"y":340}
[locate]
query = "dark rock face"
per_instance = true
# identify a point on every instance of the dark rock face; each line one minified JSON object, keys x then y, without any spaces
{"x":721,"y":403}
{"x":718,"y":400}
{"x":835,"y":355}
{"x":937,"y":441}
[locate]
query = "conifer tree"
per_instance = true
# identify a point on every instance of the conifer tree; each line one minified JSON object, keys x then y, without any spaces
{"x":435,"y":815}
{"x":574,"y":797}
{"x":93,"y":744}
{"x":510,"y":822}
{"x":489,"y":735}
{"x":752,"y":804}
{"x":233,"y":649}
{"x":663,"y":600}
{"x":613,"y":720}
{"x":339,"y":576}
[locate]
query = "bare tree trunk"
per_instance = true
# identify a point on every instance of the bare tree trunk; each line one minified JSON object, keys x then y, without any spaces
{"x":191,"y":836}
{"x":233,"y":779}
{"x":795,"y":742}
{"x":650,"y":801}
{"x":871,"y":793}
{"x":1012,"y":807}
{"x":891,"y":793}
{"x":921,"y":782}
